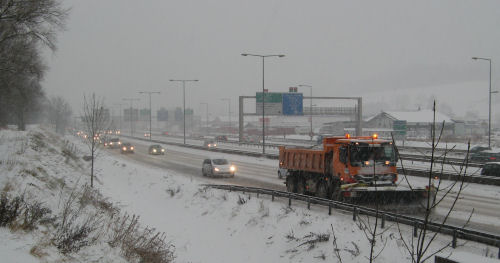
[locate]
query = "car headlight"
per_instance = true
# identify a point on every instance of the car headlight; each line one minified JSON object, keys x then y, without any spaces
{"x":119,"y":143}
{"x":162,"y":150}
{"x":124,"y":148}
{"x":131,"y":148}
{"x":216,"y":169}
{"x":232,"y":168}
{"x":154,"y":150}
{"x":215,"y":144}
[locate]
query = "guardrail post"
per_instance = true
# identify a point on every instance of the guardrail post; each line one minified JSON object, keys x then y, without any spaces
{"x":382,"y":224}
{"x":230,"y":188}
{"x":257,"y":194}
{"x":498,"y":252}
{"x":289,"y":199}
{"x":272,"y":197}
{"x":454,"y":240}
{"x":330,"y":208}
{"x":354,"y":213}
{"x":309,"y":203}
{"x":415,"y":229}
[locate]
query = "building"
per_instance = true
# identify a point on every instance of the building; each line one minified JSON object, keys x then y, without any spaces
{"x":411,"y":124}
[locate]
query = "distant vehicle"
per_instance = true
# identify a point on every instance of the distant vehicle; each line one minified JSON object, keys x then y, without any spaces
{"x":217,"y":167}
{"x":156,"y":149}
{"x":114,"y":143}
{"x":221,"y":138}
{"x":165,"y":133}
{"x":252,"y":139}
{"x":491,"y":169}
{"x":476,"y":149}
{"x":209,"y":144}
{"x":147,"y":134}
{"x":485,"y":156}
{"x":127,"y":148}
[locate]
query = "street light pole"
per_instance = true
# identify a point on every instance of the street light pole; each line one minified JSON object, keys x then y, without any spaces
{"x":184,"y":101}
{"x":120,"y":116}
{"x":131,"y":100}
{"x":310,"y":109}
{"x":229,"y":110}
{"x":489,"y":99}
{"x":149,"y":93}
{"x":206,"y":129}
{"x":263,"y":96}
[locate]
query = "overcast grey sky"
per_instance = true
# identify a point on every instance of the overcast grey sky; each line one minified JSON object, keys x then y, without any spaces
{"x":396,"y":52}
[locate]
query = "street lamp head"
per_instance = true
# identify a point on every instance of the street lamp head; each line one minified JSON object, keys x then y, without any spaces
{"x":474,"y":58}
{"x":244,"y":54}
{"x":281,"y":56}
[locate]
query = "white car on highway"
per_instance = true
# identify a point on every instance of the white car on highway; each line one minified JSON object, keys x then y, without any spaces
{"x":218,"y":167}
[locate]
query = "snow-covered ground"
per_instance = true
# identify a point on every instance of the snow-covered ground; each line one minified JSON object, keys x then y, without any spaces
{"x":204,"y":225}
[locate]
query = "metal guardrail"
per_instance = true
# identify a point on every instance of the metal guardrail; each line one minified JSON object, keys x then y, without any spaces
{"x":489,"y":180}
{"x":455,"y":232}
{"x":416,"y":223}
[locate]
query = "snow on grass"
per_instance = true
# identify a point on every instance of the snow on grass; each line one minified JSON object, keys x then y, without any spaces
{"x":49,"y":215}
{"x":208,"y":225}
{"x":204,"y":224}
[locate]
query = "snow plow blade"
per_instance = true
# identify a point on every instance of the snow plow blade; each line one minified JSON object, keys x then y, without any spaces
{"x":394,"y":199}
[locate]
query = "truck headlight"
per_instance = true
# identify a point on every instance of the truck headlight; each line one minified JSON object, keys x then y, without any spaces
{"x":232,"y":168}
{"x":154,"y":150}
{"x":216,"y":169}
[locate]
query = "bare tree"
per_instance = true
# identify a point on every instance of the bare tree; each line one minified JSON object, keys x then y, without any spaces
{"x":95,"y":122}
{"x":20,"y":89}
{"x":25,"y":27}
{"x":59,"y":113}
{"x":37,"y":20}
{"x":419,"y":246}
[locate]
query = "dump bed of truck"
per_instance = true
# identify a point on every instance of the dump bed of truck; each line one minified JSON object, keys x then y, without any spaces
{"x":302,"y":159}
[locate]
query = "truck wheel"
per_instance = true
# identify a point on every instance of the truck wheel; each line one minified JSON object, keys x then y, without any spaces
{"x":321,"y":190}
{"x":291,"y":184}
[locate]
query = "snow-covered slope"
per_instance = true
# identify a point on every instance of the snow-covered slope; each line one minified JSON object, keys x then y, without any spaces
{"x":204,"y":225}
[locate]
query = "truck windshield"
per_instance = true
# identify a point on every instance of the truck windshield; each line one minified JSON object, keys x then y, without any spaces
{"x":363,"y":154}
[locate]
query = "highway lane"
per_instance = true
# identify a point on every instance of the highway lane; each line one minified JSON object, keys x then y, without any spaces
{"x":263,"y":174}
{"x":247,"y":174}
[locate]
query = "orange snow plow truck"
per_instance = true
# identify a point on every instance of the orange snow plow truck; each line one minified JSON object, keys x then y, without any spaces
{"x":358,"y":169}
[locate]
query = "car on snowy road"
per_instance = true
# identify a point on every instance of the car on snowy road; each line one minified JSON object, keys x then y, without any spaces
{"x":156,"y":149}
{"x":217,"y":167}
{"x":127,"y":148}
{"x":209,"y":144}
{"x":114,"y":143}
{"x":491,"y":169}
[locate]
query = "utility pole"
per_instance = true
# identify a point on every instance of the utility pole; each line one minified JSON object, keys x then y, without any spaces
{"x":263,"y":95}
{"x":131,"y":100}
{"x":205,"y":103}
{"x":120,"y":116}
{"x":310,"y":109}
{"x":489,"y":104}
{"x":184,"y":101}
{"x":229,"y":112}
{"x":149,"y":93}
